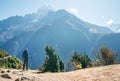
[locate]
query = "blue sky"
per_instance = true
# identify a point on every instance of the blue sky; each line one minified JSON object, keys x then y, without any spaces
{"x":100,"y":12}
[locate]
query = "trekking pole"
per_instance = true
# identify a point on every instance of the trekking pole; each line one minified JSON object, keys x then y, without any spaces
{"x":30,"y":60}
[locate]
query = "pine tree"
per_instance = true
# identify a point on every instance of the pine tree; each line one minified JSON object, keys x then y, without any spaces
{"x":53,"y":63}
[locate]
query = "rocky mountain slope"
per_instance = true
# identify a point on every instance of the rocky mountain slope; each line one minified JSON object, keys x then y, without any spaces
{"x":102,"y":73}
{"x":64,"y":31}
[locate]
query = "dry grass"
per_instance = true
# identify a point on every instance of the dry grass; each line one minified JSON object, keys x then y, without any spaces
{"x":103,"y":73}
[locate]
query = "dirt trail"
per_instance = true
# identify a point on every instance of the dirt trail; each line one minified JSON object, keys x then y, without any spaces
{"x":103,"y":73}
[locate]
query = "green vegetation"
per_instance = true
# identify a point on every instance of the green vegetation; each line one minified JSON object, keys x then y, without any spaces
{"x":80,"y":59}
{"x":106,"y":56}
{"x":3,"y":53}
{"x":53,"y":63}
{"x":7,"y":61}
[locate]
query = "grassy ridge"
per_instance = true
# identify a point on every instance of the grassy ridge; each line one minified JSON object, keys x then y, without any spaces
{"x":7,"y":61}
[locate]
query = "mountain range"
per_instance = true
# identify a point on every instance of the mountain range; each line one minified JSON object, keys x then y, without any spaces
{"x":60,"y":29}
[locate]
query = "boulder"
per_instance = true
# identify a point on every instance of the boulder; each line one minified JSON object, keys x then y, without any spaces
{"x":6,"y":76}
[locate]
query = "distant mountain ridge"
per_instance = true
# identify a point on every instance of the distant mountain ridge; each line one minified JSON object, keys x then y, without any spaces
{"x":115,"y":28}
{"x":64,"y":31}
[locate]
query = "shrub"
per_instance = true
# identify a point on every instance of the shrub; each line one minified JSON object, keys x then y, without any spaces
{"x":3,"y":53}
{"x":82,"y":59}
{"x":106,"y":56}
{"x":7,"y":61}
{"x":77,"y":65}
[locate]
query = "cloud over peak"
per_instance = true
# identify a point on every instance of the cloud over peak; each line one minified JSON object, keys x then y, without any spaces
{"x":110,"y":22}
{"x":73,"y":11}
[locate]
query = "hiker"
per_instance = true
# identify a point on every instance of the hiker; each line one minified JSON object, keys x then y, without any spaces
{"x":25,"y":59}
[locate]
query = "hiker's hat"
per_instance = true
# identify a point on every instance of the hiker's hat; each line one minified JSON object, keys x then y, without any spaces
{"x":26,"y":49}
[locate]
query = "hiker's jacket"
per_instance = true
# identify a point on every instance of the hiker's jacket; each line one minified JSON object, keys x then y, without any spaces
{"x":25,"y":54}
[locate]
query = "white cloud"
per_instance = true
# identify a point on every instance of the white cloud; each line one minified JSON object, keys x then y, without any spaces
{"x":73,"y":11}
{"x":109,"y":22}
{"x":118,"y":30}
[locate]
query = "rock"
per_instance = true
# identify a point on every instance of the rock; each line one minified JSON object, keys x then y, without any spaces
{"x":8,"y":71}
{"x":30,"y":78}
{"x":6,"y":76}
{"x":18,"y":72}
{"x":18,"y":79}
{"x":2,"y":71}
{"x":24,"y":78}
